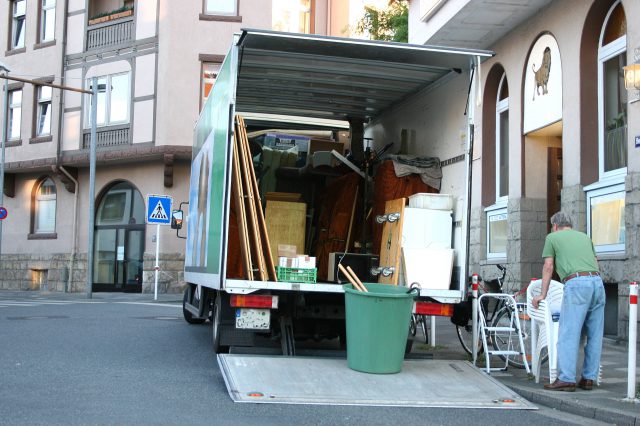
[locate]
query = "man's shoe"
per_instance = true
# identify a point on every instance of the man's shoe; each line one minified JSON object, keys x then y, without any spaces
{"x":585,"y":384}
{"x":559,"y":385}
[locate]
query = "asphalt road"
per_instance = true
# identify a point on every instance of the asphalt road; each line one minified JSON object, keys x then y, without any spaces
{"x":78,"y":362}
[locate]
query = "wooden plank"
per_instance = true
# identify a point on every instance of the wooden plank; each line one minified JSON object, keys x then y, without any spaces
{"x":252,"y":220}
{"x":267,"y":256}
{"x":390,"y":246}
{"x":353,"y":213}
{"x":238,"y":198}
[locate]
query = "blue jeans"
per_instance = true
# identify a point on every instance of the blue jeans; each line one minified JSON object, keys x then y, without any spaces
{"x":582,"y":306}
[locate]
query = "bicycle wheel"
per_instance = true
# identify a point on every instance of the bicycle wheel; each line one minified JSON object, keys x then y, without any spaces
{"x":503,"y":341}
{"x":465,"y":335}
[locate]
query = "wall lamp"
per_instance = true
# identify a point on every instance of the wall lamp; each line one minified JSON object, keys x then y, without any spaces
{"x":632,"y":76}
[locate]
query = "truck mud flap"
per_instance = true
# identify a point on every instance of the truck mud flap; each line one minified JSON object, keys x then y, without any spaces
{"x":421,"y":383}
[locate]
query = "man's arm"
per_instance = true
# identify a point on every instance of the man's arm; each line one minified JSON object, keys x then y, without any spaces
{"x":547,"y":273}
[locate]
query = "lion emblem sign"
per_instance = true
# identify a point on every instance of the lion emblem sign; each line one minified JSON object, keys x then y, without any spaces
{"x":542,"y":74}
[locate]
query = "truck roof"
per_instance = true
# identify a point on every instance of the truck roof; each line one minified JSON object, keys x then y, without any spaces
{"x":338,"y":78}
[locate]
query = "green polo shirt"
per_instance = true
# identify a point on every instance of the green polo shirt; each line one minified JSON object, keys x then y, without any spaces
{"x":572,"y":252}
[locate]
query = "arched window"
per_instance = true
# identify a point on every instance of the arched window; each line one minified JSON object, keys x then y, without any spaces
{"x":612,"y":96}
{"x":606,"y":198}
{"x":45,"y":207}
{"x":502,"y":140}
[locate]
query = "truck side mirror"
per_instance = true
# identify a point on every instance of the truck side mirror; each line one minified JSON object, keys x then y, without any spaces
{"x":176,"y":219}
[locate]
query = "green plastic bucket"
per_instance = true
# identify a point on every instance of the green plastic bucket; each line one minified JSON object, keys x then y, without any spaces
{"x":377,"y":327}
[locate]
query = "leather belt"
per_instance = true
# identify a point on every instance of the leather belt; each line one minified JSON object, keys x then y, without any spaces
{"x":580,"y":274}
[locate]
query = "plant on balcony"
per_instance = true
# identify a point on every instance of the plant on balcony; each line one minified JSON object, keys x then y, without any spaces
{"x":119,"y":13}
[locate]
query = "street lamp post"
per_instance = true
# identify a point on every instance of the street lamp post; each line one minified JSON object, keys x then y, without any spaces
{"x":5,"y":111}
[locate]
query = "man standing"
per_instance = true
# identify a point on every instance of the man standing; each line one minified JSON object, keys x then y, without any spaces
{"x":572,"y":255}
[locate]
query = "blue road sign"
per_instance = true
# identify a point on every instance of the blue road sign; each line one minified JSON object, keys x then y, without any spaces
{"x":159,"y":209}
{"x":3,"y":213}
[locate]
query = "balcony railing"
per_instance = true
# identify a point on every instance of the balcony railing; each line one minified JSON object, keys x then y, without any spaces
{"x":111,"y":33}
{"x":107,"y":138}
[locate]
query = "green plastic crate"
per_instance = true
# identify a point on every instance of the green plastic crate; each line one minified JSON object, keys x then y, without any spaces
{"x":296,"y":275}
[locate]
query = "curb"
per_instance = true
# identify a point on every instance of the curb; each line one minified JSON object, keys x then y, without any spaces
{"x":576,"y":407}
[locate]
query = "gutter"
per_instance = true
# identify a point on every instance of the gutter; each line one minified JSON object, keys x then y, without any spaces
{"x":74,"y":244}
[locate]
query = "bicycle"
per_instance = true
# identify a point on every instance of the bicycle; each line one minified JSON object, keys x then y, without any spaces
{"x":498,"y":315}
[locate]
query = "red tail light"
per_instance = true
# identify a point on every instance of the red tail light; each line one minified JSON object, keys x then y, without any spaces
{"x":435,"y":309}
{"x":254,"y":301}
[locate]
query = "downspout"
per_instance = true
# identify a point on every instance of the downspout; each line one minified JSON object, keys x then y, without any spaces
{"x":329,"y":17}
{"x":58,"y":166}
{"x":72,"y":256}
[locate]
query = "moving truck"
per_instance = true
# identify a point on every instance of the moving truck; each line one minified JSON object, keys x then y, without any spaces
{"x":413,"y":95}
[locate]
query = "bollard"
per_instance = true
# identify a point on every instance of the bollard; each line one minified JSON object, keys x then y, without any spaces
{"x":474,"y":317}
{"x":633,"y":333}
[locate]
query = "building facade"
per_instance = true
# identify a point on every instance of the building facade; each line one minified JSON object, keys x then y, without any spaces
{"x":155,"y":62}
{"x":554,"y":128}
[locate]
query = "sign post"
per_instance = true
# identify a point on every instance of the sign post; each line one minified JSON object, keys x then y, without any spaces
{"x":158,"y":212}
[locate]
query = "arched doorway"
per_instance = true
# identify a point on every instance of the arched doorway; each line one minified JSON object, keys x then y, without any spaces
{"x":119,"y":239}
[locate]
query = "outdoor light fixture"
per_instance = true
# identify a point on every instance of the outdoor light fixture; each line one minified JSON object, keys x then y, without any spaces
{"x":632,"y":76}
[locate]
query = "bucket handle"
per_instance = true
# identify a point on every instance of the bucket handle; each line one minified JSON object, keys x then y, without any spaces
{"x":414,"y":289}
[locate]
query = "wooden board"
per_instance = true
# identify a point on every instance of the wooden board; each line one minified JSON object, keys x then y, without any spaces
{"x":238,"y":198}
{"x":390,"y":245}
{"x":286,"y":223}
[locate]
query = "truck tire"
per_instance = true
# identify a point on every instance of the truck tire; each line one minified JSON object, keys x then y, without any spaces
{"x":188,"y":316}
{"x":216,"y":319}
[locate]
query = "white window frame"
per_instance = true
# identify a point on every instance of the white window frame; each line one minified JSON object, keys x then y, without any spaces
{"x":605,"y":53}
{"x":13,"y":108}
{"x":15,"y":17}
{"x":600,"y":190}
{"x":41,"y":103}
{"x":44,"y":10}
{"x":501,"y":107}
{"x":107,"y":95}
{"x":39,"y":198}
{"x":209,"y":9}
{"x":496,"y":211}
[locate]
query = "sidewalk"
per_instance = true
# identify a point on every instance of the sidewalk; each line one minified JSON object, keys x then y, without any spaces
{"x":604,"y":403}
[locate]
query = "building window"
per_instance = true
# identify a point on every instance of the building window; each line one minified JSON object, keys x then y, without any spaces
{"x":14,"y":115}
{"x":605,"y":222}
{"x":113,"y":100}
{"x":210,"y":72}
{"x":294,"y":16}
{"x":612,"y":57}
{"x":496,"y":233}
{"x":18,"y":11}
{"x":47,"y":20}
{"x":502,"y":140}
{"x":606,"y":198}
{"x":221,"y":7}
{"x":43,"y":123}
{"x":45,"y":207}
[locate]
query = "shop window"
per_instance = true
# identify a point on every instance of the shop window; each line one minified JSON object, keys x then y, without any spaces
{"x":113,"y":100}
{"x":605,"y":222}
{"x":47,"y":20}
{"x":45,"y":207}
{"x":221,"y":7}
{"x":293,"y":16}
{"x":18,"y":19}
{"x":496,"y":233}
{"x":43,"y":118}
{"x":209,"y":74}
{"x":14,"y":114}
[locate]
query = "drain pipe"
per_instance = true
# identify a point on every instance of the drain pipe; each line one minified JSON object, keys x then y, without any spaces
{"x":74,"y":244}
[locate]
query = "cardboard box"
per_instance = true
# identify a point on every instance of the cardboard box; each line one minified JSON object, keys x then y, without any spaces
{"x":287,"y":250}
{"x":324,"y":145}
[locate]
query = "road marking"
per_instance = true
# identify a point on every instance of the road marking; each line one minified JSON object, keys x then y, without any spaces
{"x":6,"y":303}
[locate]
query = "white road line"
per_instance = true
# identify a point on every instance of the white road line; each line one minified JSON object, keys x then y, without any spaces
{"x":150,"y":304}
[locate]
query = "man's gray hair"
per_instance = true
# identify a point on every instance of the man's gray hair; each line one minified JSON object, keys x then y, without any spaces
{"x":561,"y":219}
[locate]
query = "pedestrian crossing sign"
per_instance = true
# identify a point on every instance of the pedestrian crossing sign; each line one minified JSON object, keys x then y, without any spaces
{"x":159,"y":209}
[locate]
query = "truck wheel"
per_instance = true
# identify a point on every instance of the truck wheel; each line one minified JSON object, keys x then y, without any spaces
{"x":188,"y":316}
{"x":216,"y":315}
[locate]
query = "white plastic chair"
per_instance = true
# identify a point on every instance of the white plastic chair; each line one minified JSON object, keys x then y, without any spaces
{"x":544,"y":331}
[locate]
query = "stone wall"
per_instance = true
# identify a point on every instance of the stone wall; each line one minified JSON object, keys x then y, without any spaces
{"x":44,"y":272}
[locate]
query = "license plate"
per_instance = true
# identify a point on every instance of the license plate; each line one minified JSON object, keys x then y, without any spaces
{"x":255,"y":319}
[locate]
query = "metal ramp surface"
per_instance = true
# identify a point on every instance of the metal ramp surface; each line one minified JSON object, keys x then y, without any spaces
{"x":329,"y":381}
